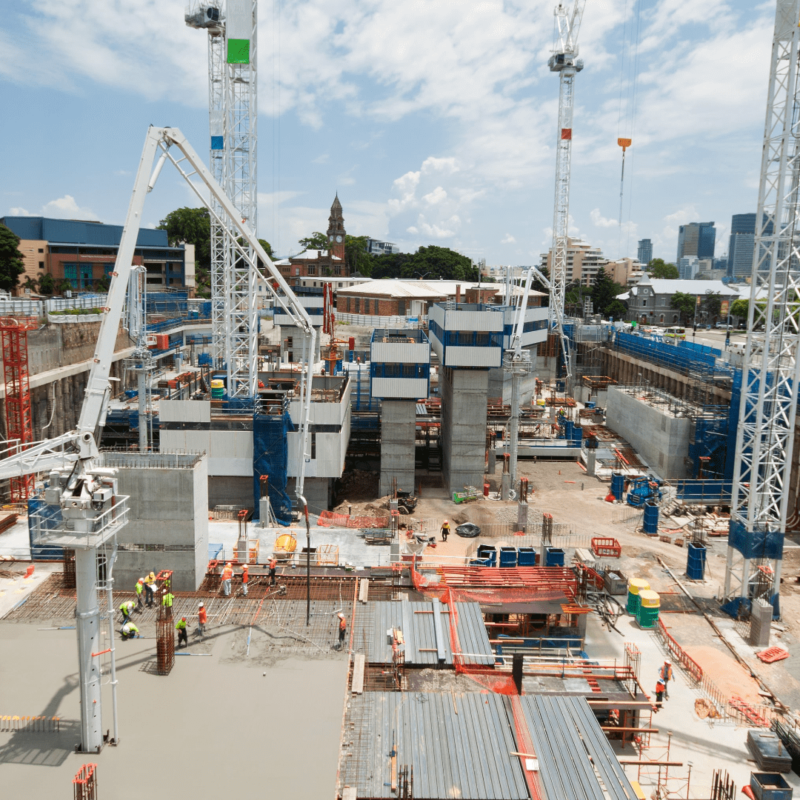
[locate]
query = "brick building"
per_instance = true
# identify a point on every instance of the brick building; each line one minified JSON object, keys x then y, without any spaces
{"x":320,"y":263}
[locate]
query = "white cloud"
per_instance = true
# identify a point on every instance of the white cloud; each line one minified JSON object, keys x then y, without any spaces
{"x":508,"y":239}
{"x":599,"y":221}
{"x":438,"y":195}
{"x":62,"y":208}
{"x":20,"y":212}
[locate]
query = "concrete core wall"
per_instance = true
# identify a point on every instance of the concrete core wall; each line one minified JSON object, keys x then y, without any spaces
{"x":398,"y":434}
{"x":317,"y":491}
{"x":463,"y":393}
{"x":168,"y":519}
{"x":231,"y":490}
{"x":660,"y":438}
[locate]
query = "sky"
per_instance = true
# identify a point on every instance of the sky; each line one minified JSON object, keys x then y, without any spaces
{"x":434,"y":120}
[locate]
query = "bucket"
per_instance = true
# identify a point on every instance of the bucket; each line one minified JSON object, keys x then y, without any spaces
{"x":650,"y":518}
{"x":217,"y":389}
{"x":695,"y":561}
{"x":635,"y":585}
{"x":553,"y":557}
{"x":508,"y":556}
{"x":526,"y":557}
{"x":617,"y":485}
{"x":649,"y":606}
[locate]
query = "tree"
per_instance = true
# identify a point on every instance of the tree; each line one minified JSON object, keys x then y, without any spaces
{"x":740,"y":308}
{"x":685,"y":304}
{"x":103,"y":284}
{"x":11,"y":263}
{"x":46,"y":284}
{"x":356,"y":256}
{"x":63,"y":286}
{"x":604,"y":292}
{"x":191,"y":225}
{"x":428,"y":263}
{"x":267,"y":247}
{"x":711,"y":305}
{"x":658,"y":268}
{"x":30,"y":284}
{"x":616,"y":309}
{"x":540,"y":287}
{"x":317,"y":241}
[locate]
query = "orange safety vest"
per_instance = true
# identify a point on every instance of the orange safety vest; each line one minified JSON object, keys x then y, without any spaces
{"x":273,"y":563}
{"x":342,"y":624}
{"x":202,"y":616}
{"x":227,"y":573}
{"x":245,"y":576}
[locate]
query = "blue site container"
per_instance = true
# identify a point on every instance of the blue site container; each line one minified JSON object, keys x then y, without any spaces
{"x":695,"y":561}
{"x":488,"y":553}
{"x":617,"y":485}
{"x":508,"y":556}
{"x":553,"y":557}
{"x":569,"y":427}
{"x":561,"y":386}
{"x":577,"y":432}
{"x":650,"y":518}
{"x":526,"y":557}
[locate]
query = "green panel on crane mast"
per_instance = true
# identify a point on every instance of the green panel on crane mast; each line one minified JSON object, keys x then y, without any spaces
{"x":238,"y":51}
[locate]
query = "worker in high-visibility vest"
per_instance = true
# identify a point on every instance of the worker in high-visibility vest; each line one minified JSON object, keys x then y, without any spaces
{"x":149,"y":588}
{"x":665,"y":673}
{"x":139,"y":592}
{"x":273,"y":565}
{"x":245,"y":580}
{"x":127,"y":609}
{"x":130,"y":631}
{"x":660,"y":686}
{"x":167,"y":600}
{"x":342,"y":631}
{"x":227,"y":576}
{"x":183,"y":635}
{"x":445,"y":530}
{"x":202,"y":619}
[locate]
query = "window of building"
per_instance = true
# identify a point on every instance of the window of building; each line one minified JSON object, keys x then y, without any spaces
{"x":337,"y":270}
{"x":313,"y":445}
{"x":41,"y":250}
{"x":312,"y":270}
{"x":644,"y":302}
{"x":357,"y":304}
{"x":401,"y":308}
{"x":41,"y":265}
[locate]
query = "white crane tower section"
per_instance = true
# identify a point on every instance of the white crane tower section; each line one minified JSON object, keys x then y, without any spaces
{"x":771,"y":371}
{"x":566,"y":63}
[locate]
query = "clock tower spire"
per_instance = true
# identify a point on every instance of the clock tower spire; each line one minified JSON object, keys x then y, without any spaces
{"x":336,"y":231}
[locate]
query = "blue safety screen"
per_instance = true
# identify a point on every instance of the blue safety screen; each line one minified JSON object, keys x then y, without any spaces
{"x":755,"y":544}
{"x":271,"y":458}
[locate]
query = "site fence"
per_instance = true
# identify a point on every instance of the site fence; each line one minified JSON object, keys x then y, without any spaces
{"x":622,"y":514}
{"x":366,"y":321}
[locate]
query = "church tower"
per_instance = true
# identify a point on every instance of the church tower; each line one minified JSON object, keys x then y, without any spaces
{"x":336,"y":232}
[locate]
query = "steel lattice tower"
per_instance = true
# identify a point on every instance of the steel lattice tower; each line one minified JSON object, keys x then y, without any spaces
{"x":241,"y":141}
{"x":771,"y":371}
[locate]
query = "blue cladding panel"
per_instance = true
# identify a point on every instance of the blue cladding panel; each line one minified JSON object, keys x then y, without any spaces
{"x":217,"y":142}
{"x":755,"y":544}
{"x":67,"y":231}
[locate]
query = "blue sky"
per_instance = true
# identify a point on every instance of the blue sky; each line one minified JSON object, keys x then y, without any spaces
{"x":435,"y":120}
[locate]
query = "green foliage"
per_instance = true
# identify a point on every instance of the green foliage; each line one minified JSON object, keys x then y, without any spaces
{"x":76,"y":312}
{"x":267,"y":247}
{"x":710,"y":305}
{"x":428,"y":263}
{"x":604,"y":292}
{"x":658,"y":268}
{"x":616,"y":309}
{"x":356,"y":255}
{"x":685,"y":304}
{"x":31,"y":284}
{"x":11,"y":264}
{"x":46,"y":284}
{"x":63,"y":286}
{"x":317,"y":241}
{"x":740,"y":308}
{"x":192,"y":225}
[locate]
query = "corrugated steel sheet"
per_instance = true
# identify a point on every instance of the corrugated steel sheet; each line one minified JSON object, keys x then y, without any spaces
{"x":423,"y":646}
{"x":457,"y":745}
{"x":400,"y":353}
{"x":576,"y":760}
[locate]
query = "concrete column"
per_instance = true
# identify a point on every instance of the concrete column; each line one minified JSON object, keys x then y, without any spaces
{"x":398,"y":433}
{"x":463,"y":394}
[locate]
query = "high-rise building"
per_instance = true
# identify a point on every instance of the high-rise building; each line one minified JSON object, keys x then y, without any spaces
{"x":697,"y":239}
{"x":645,"y":254}
{"x":742,"y":244}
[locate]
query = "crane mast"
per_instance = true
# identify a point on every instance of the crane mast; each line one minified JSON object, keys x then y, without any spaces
{"x":771,"y":371}
{"x":566,"y":63}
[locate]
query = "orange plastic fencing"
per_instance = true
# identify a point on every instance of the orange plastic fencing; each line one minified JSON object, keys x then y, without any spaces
{"x":606,"y":546}
{"x":329,"y":519}
{"x":679,"y":654}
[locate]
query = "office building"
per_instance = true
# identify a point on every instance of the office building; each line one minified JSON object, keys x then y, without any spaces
{"x":688,"y":267}
{"x":742,"y":244}
{"x":645,"y":254}
{"x":697,"y":239}
{"x":376,"y":247}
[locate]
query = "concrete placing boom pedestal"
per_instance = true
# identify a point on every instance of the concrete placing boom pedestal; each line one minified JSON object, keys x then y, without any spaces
{"x":765,"y":434}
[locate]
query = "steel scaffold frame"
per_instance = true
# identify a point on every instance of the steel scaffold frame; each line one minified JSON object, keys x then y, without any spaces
{"x":765,"y":435}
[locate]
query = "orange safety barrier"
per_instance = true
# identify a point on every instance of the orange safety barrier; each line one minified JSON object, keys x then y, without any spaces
{"x":679,"y":654}
{"x":772,"y":654}
{"x":606,"y":546}
{"x":750,"y":713}
{"x":329,"y":519}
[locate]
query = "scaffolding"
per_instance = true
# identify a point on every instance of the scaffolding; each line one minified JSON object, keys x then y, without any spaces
{"x":19,"y":415}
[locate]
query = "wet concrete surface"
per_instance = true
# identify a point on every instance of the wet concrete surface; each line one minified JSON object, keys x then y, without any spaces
{"x":219,"y":725}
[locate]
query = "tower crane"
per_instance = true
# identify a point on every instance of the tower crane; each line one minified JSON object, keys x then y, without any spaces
{"x":771,"y":372}
{"x":566,"y":63}
{"x":83,"y":509}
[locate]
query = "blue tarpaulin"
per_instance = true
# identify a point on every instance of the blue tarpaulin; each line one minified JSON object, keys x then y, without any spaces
{"x":46,"y":516}
{"x":755,"y":544}
{"x":271,"y":458}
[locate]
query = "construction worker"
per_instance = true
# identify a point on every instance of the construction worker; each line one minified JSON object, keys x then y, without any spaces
{"x":149,"y":588}
{"x":445,"y":530}
{"x":342,"y":630}
{"x":660,"y":686}
{"x":139,"y":591}
{"x":202,"y":619}
{"x":167,"y":599}
{"x":127,"y":610}
{"x":665,"y":673}
{"x":245,"y":580}
{"x":273,"y":565}
{"x":227,"y":576}
{"x":130,"y":631}
{"x":183,"y":635}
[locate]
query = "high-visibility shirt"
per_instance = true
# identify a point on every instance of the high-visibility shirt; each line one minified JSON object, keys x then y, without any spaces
{"x":245,"y":576}
{"x":127,"y":607}
{"x":129,"y":628}
{"x":342,"y":624}
{"x":273,"y":563}
{"x":227,"y":573}
{"x":167,"y":599}
{"x":139,"y":587}
{"x":660,"y":685}
{"x":202,"y":616}
{"x":180,"y":625}
{"x":446,"y":526}
{"x":150,"y":579}
{"x":666,"y":672}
